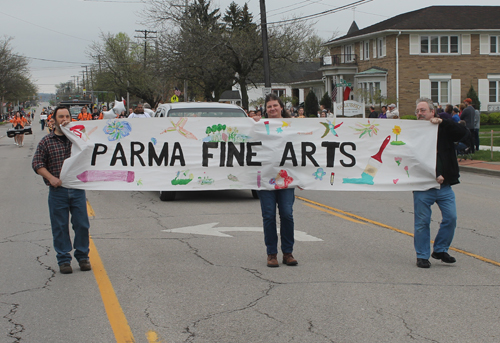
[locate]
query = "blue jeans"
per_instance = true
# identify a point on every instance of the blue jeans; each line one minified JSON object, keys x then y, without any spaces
{"x":62,"y":202}
{"x":284,"y":198}
{"x":444,"y":197}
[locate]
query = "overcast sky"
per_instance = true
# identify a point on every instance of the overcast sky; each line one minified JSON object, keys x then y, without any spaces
{"x":62,"y":30}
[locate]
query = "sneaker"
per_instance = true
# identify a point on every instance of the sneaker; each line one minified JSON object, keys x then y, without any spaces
{"x":85,"y":265}
{"x":272,"y":260}
{"x":65,"y":268}
{"x":423,"y":263}
{"x":289,"y":260}
{"x":444,"y":256}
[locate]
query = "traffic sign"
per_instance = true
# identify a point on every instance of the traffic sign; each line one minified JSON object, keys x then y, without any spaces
{"x":174,"y":98}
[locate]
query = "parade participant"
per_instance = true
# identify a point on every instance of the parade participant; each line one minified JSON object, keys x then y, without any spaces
{"x":284,"y":198}
{"x":50,"y":154}
{"x":84,"y":115}
{"x":95,"y":114}
{"x":101,"y":115}
{"x":43,"y":119}
{"x":18,"y":123}
{"x":139,"y":112}
{"x":447,"y":174}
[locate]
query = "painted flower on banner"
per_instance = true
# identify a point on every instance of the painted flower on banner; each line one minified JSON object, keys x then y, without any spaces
{"x":117,"y":130}
{"x":398,"y":160}
{"x":397,"y":131}
{"x":282,"y":180}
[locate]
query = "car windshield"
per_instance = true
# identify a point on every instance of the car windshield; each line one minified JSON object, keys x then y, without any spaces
{"x":206,"y":112}
{"x":75,"y":111}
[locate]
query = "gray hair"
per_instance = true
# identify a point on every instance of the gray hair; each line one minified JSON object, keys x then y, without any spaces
{"x":428,"y":101}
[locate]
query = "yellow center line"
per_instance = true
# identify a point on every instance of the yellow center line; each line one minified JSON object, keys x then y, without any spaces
{"x":347,"y":214}
{"x":116,"y":317}
{"x":335,"y":214}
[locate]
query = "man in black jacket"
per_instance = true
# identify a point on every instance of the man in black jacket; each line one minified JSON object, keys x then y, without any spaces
{"x":447,"y":174}
{"x":468,"y":115}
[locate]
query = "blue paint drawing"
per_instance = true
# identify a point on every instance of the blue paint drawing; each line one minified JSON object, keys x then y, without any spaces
{"x":318,"y":175}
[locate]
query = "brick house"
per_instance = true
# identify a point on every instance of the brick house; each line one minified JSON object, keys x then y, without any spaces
{"x":437,"y":52}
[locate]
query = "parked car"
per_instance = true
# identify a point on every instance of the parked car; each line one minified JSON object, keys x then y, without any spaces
{"x":197,"y":109}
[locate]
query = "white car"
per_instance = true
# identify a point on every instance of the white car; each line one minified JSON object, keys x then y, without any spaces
{"x":197,"y":109}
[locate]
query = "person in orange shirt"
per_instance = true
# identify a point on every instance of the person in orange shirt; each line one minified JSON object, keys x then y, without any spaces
{"x":84,"y":115}
{"x":101,"y":115}
{"x":18,"y":123}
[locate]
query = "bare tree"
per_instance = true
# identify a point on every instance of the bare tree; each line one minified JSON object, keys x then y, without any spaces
{"x":15,"y":79}
{"x":122,"y":68}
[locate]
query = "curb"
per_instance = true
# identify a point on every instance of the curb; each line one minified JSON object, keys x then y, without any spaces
{"x":480,"y":171}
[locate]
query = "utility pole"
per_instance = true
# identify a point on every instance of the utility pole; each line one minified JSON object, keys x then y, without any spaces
{"x":145,"y":32}
{"x":265,"y":51}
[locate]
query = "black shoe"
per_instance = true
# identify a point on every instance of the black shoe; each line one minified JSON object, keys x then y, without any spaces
{"x":423,"y":263}
{"x":65,"y":268}
{"x":444,"y":256}
{"x":84,"y":265}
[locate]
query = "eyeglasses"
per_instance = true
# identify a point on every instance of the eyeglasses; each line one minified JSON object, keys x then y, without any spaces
{"x":421,"y":110}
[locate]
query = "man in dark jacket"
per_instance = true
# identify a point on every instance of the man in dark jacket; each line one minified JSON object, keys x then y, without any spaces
{"x":447,"y":174}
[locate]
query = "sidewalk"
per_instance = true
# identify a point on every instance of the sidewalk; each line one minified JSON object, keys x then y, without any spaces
{"x":480,"y":167}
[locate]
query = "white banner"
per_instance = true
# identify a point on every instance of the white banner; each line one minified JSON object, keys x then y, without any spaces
{"x":239,"y":153}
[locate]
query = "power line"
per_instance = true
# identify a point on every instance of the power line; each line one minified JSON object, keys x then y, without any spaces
{"x":119,"y":1}
{"x":47,"y":60}
{"x":320,"y":14}
{"x":8,"y":15}
{"x":145,"y":32}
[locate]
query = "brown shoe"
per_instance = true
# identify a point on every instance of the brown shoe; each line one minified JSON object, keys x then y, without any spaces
{"x":84,"y":265}
{"x":272,"y":260}
{"x":289,"y":260}
{"x":65,"y":268}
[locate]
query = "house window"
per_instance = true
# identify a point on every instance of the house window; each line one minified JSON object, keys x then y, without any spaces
{"x":366,"y":50}
{"x":381,"y":47}
{"x":279,"y":92}
{"x":348,"y":52}
{"x":439,"y":44}
{"x":494,"y":91}
{"x":440,"y":91}
{"x":371,"y":91}
{"x":494,"y":48}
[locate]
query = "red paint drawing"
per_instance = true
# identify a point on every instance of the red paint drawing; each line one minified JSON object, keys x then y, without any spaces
{"x":106,"y":175}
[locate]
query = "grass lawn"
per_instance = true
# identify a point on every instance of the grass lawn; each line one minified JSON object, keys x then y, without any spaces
{"x":488,"y":128}
{"x":485,"y":135}
{"x":483,"y":155}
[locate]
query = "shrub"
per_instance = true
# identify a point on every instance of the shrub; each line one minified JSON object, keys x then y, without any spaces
{"x":485,"y":119}
{"x":473,"y":96}
{"x":411,"y":117}
{"x":326,"y":101}
{"x":494,"y":119}
{"x":311,"y":106}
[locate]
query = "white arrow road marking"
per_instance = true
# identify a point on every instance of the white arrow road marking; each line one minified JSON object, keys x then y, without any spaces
{"x":210,"y":230}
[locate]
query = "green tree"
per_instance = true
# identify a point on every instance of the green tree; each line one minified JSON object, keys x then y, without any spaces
{"x":244,"y":47}
{"x":215,"y":52}
{"x":475,"y":99}
{"x":311,"y":106}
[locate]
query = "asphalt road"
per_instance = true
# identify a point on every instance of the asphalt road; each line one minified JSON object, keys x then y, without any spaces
{"x":356,"y":280}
